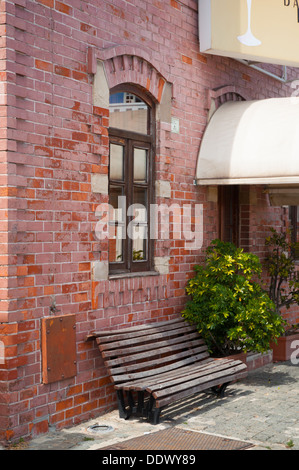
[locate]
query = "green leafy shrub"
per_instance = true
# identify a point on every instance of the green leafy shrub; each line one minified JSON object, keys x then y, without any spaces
{"x":231,"y":310}
{"x":284,"y":277}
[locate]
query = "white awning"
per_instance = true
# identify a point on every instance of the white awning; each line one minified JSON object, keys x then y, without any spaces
{"x":251,"y":142}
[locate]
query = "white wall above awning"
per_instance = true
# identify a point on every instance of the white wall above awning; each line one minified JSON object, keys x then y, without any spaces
{"x":251,"y":142}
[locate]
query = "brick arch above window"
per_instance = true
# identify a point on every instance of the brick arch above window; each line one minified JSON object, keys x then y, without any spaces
{"x":127,"y":64}
{"x":218,"y":96}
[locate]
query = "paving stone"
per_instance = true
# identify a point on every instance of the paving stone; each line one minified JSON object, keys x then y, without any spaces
{"x":262,"y":409}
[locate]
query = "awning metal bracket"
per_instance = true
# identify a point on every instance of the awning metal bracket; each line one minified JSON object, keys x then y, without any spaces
{"x":256,"y":66}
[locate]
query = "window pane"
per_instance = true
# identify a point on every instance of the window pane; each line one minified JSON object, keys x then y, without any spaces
{"x":116,"y":224}
{"x":139,"y":225}
{"x":128,"y":112}
{"x":140,"y":197}
{"x":140,"y":165}
{"x":116,"y":162}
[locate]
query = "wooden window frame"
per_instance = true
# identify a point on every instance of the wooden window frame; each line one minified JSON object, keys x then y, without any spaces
{"x":131,"y":140}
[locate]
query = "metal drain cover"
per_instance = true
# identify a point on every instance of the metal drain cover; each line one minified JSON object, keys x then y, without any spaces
{"x":179,"y":439}
{"x":100,"y":428}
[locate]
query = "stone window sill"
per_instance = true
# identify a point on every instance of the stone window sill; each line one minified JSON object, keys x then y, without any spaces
{"x":129,"y":275}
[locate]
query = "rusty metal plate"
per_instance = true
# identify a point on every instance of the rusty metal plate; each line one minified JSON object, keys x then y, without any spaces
{"x":179,"y":439}
{"x":58,"y":348}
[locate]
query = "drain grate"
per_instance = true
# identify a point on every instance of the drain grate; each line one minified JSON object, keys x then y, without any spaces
{"x":100,"y":428}
{"x":179,"y":439}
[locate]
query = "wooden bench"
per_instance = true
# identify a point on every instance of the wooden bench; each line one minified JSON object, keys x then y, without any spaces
{"x":154,"y":365}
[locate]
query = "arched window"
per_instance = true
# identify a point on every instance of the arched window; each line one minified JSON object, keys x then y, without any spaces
{"x":131,"y":172}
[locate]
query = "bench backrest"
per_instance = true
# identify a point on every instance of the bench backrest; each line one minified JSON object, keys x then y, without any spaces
{"x":138,"y":352}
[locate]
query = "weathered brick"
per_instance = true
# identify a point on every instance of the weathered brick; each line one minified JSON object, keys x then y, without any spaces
{"x":63,"y":8}
{"x":47,"y":3}
{"x":64,"y":71}
{"x":43,"y":65}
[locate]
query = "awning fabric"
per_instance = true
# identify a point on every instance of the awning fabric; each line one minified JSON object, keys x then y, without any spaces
{"x":251,"y":142}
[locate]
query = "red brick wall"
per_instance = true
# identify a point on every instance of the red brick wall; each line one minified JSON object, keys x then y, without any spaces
{"x":55,"y":141}
{"x":5,"y":191}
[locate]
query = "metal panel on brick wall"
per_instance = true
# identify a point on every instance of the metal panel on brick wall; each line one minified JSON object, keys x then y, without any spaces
{"x":58,"y":348}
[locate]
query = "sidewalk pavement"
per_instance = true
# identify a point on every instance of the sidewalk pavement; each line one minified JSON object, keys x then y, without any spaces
{"x":263,"y":409}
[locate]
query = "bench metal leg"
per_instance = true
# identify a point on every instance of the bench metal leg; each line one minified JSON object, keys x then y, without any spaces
{"x":127,"y":405}
{"x":140,"y":405}
{"x":153,"y":413}
{"x":131,"y":402}
{"x":136,"y":406}
{"x":220,"y":390}
{"x":155,"y":416}
{"x":123,"y":412}
{"x":149,"y":406}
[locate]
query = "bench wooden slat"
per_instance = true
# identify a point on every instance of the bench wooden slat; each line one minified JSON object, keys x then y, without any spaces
{"x":197,"y":371}
{"x":153,"y":353}
{"x":137,"y":352}
{"x":139,"y":366}
{"x":204,"y":386}
{"x":144,"y":326}
{"x":174,"y":386}
{"x":140,"y":339}
{"x":143,"y":383}
{"x":148,"y":373}
{"x":152,"y":382}
{"x":151,"y":347}
{"x":132,"y":333}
